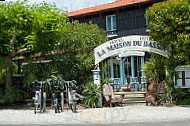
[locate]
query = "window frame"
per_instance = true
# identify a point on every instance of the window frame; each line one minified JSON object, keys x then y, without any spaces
{"x":112,"y":22}
{"x":111,"y":32}
{"x":146,"y":23}
{"x":181,"y":78}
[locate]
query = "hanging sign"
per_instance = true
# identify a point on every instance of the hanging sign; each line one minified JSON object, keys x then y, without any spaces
{"x":126,"y":44}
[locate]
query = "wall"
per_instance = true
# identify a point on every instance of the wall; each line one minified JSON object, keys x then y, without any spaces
{"x":130,"y":20}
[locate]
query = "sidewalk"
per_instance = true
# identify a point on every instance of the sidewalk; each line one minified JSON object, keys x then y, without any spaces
{"x":115,"y":115}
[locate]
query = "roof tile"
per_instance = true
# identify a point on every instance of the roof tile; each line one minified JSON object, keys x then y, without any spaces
{"x":117,"y":3}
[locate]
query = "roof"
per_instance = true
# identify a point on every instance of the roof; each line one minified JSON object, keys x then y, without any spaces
{"x":116,"y":4}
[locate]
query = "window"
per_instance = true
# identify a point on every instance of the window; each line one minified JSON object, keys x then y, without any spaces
{"x":116,"y":68}
{"x":183,"y":79}
{"x":127,"y":66}
{"x":182,"y":76}
{"x":137,"y":66}
{"x":147,"y":28}
{"x":111,"y":25}
{"x":146,"y":25}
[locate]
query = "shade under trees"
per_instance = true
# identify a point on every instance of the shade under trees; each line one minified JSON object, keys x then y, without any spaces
{"x":27,"y":30}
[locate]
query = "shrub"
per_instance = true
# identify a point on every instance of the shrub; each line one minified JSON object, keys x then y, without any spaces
{"x":92,"y":94}
{"x":12,"y":95}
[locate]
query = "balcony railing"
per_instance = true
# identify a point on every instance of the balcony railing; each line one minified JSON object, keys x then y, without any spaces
{"x":112,"y":33}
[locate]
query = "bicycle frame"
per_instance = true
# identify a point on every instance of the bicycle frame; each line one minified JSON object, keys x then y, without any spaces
{"x":56,"y":96}
{"x":71,"y":97}
{"x":38,"y":98}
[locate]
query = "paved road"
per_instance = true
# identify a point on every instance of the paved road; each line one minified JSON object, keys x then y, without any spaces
{"x":130,"y":116}
{"x":174,"y":123}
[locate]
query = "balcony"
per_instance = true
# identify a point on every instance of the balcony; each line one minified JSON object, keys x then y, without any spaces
{"x":111,"y":34}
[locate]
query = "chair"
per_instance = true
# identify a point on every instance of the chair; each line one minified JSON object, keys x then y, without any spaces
{"x":109,"y":96}
{"x":155,"y":93}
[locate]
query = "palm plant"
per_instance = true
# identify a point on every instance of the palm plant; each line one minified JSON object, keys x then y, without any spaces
{"x":91,"y":95}
{"x":154,"y":68}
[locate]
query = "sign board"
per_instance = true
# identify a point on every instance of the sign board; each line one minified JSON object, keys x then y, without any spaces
{"x":131,"y":53}
{"x":96,"y":76}
{"x":126,"y":44}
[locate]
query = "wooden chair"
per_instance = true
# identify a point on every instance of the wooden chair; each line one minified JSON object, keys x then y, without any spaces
{"x":109,"y":96}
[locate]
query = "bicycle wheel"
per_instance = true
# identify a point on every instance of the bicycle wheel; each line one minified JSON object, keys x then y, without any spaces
{"x":56,"y":105}
{"x":35,"y":110}
{"x":73,"y":107}
{"x":169,"y":99}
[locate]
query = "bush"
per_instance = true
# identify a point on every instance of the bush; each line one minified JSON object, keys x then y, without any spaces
{"x":12,"y":95}
{"x":92,"y":94}
{"x":181,"y":96}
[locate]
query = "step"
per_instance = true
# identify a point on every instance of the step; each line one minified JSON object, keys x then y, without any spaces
{"x":133,"y":99}
{"x":133,"y":102}
{"x":131,"y":92}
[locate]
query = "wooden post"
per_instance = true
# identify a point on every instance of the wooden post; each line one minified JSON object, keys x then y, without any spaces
{"x":100,"y":102}
{"x":111,"y":68}
{"x":132,"y":67}
{"x":67,"y":98}
{"x":62,"y":100}
{"x":44,"y":101}
{"x":121,"y":72}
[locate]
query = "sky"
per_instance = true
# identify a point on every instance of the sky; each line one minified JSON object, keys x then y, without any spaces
{"x":72,"y":5}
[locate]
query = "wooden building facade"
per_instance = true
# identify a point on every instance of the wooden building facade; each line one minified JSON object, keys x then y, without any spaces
{"x":129,"y":45}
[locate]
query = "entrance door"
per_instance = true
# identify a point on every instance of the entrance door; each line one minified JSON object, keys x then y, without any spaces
{"x":127,"y":67}
{"x":133,"y":68}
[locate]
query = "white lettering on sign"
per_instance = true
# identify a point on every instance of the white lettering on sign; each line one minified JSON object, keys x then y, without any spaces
{"x":126,"y":44}
{"x":131,"y":53}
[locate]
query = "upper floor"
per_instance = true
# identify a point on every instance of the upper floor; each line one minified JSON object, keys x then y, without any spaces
{"x":118,"y":19}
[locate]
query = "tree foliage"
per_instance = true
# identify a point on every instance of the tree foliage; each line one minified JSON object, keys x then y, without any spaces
{"x":40,"y":32}
{"x":169,"y":24}
{"x":30,"y":29}
{"x":16,"y":23}
{"x":73,"y":56}
{"x":154,"y":68}
{"x":3,"y":68}
{"x":80,"y":41}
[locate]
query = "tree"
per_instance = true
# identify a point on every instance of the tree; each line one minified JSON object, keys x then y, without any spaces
{"x":29,"y":29}
{"x":80,"y":41}
{"x":169,"y":24}
{"x":73,"y":57}
{"x":15,"y":20}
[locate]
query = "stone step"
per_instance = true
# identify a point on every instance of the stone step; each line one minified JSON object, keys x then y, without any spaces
{"x":133,"y":99}
{"x":134,"y":96}
{"x":127,"y":93}
{"x":133,"y":102}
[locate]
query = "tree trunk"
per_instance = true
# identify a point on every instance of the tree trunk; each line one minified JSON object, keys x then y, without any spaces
{"x":9,"y":73}
{"x":9,"y":62}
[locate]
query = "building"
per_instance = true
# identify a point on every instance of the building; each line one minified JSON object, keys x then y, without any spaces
{"x":121,"y":58}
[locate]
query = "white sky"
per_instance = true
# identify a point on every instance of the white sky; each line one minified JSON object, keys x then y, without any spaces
{"x":71,"y":5}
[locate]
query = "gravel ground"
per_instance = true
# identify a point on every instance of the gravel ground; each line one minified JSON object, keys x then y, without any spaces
{"x":115,"y":115}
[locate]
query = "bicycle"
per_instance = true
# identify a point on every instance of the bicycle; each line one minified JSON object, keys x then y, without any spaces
{"x":72,"y":96}
{"x":38,"y":97}
{"x":56,"y":96}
